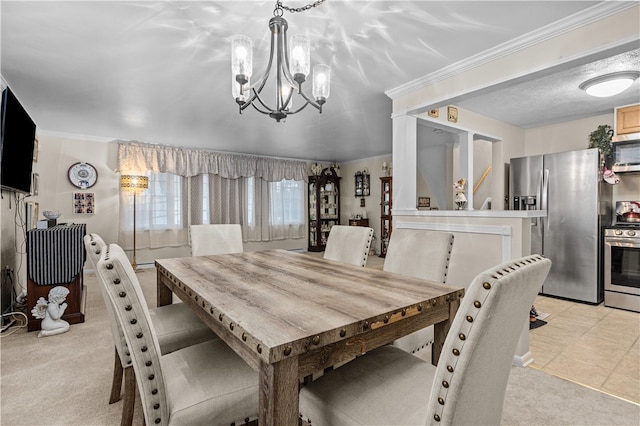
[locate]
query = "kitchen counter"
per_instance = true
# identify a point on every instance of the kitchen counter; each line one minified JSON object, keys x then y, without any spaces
{"x":522,"y":214}
{"x":482,"y":239}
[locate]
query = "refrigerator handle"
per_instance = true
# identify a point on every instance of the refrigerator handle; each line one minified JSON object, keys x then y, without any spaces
{"x":544,"y":199}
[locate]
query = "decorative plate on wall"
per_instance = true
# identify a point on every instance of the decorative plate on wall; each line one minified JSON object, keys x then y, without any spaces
{"x":83,"y":175}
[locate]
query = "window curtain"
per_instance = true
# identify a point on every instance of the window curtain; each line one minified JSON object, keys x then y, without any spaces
{"x":197,"y":186}
{"x":142,"y":157}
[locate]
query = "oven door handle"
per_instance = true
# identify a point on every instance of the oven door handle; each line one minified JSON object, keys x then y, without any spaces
{"x":622,"y":242}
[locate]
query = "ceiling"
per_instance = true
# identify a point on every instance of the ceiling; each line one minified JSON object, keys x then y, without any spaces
{"x":159,"y":71}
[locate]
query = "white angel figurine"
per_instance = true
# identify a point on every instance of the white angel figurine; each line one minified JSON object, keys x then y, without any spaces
{"x":51,"y":312}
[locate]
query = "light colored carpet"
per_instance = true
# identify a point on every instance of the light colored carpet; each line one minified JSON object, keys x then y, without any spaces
{"x":66,"y":379}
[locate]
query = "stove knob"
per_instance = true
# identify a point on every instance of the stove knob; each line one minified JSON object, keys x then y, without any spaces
{"x":617,"y":232}
{"x":631,"y":233}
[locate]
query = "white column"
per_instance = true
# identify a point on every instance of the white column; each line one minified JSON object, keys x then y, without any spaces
{"x":405,"y":141}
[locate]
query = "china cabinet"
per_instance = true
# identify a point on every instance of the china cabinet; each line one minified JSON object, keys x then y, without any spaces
{"x":324,"y":207}
{"x":385,"y":214}
{"x":362,"y":184}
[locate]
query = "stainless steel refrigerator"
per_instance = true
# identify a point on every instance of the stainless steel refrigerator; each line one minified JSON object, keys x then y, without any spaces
{"x":569,"y":186}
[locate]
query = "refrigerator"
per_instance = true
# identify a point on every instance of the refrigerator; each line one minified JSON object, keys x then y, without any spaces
{"x":569,"y":186}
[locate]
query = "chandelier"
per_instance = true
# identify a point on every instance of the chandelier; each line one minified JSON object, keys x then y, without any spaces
{"x":292,"y":68}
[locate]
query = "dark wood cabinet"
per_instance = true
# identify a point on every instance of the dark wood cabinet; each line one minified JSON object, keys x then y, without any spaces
{"x":55,"y":257}
{"x":358,"y":222}
{"x":385,"y":213}
{"x":362,"y":184}
{"x":324,"y":207}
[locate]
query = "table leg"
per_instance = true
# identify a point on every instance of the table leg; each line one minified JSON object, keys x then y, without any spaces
{"x":164,"y":294}
{"x":279,"y":393}
{"x":440,"y":331}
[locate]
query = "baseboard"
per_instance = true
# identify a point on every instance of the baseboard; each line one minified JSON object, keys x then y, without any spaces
{"x":523,"y":360}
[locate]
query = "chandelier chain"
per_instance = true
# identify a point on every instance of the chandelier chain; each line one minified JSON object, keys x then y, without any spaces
{"x":279,"y":5}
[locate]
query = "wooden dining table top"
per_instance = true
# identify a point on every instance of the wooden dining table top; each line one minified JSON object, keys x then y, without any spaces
{"x":290,"y":314}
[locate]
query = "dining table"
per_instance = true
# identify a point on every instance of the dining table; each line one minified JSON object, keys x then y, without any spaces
{"x":291,"y":314}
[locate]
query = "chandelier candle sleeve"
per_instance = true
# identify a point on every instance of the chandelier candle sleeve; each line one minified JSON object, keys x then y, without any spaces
{"x":300,"y":57}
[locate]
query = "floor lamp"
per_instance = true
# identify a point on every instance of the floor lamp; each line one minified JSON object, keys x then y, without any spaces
{"x":134,"y":184}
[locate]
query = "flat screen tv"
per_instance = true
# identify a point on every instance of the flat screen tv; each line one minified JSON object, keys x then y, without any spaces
{"x":16,"y":147}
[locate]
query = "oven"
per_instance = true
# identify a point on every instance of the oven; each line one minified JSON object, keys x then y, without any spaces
{"x":622,"y":260}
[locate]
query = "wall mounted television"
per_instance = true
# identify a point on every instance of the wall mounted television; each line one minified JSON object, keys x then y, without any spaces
{"x":17,"y":144}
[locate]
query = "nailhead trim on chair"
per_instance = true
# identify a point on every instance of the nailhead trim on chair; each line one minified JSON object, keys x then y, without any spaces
{"x":156,"y":406}
{"x":467,"y":329}
{"x":367,"y":248}
{"x":446,"y":268}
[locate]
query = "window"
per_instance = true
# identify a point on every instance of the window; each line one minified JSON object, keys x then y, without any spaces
{"x":165,"y":192}
{"x":287,"y":202}
{"x":267,"y":210}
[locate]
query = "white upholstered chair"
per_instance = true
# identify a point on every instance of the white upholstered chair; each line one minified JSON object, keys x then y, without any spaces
{"x":206,"y":383}
{"x":218,"y":238}
{"x":420,"y":254}
{"x":176,"y":327}
{"x":390,"y":386}
{"x":349,"y":244}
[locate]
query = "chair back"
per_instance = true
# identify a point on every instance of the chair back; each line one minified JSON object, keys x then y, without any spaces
{"x":349,"y":244}
{"x":131,"y":310}
{"x":419,"y":253}
{"x":213,"y":239}
{"x":95,"y":247}
{"x":471,"y":378}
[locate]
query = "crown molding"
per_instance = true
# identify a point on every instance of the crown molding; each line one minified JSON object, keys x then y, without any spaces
{"x":577,"y":20}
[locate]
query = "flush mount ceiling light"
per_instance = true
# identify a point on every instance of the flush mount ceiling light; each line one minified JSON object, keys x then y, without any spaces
{"x":609,"y":84}
{"x":292,"y":68}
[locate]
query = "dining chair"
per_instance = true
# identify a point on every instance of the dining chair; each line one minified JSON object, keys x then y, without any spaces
{"x":349,"y":244}
{"x":421,"y":254}
{"x":205,"y":383}
{"x":390,"y":386}
{"x":176,"y":327}
{"x":219,"y":238}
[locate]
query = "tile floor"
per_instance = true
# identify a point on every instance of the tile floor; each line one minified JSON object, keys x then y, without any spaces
{"x":595,"y":346}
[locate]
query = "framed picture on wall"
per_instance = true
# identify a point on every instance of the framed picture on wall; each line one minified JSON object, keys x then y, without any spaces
{"x":84,"y":203}
{"x":452,"y":114}
{"x":424,"y":203}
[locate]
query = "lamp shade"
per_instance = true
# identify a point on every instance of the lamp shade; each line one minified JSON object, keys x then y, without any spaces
{"x":321,"y":81}
{"x":134,"y":183}
{"x":241,"y":56}
{"x":299,"y":57}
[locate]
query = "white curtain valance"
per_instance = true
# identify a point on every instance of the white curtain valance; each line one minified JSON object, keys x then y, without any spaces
{"x":141,"y":157}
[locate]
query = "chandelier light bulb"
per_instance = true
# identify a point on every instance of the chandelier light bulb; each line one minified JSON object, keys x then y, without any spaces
{"x":241,"y":58}
{"x":321,"y":82}
{"x":609,"y":84}
{"x":299,"y":56}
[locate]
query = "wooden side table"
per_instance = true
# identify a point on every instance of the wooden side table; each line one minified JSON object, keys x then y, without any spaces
{"x":55,"y":257}
{"x":359,"y":222}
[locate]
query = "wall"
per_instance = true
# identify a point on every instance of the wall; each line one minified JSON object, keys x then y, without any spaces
{"x":56,"y":154}
{"x":350,"y":204}
{"x":574,"y":135}
{"x":11,"y":237}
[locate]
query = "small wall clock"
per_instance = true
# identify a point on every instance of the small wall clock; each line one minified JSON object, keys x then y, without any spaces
{"x":83,"y":175}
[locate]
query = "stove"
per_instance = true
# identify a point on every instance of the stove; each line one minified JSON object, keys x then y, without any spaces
{"x":622,"y":258}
